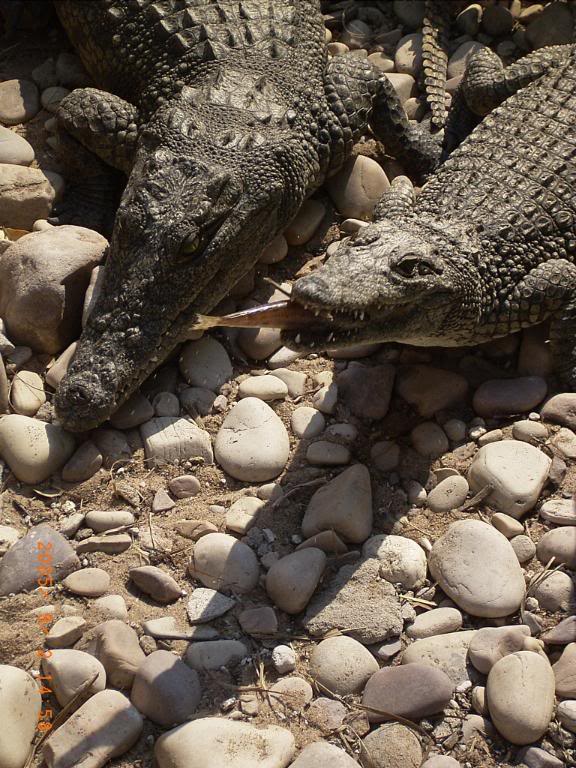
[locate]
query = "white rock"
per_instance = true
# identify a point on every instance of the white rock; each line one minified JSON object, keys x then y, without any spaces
{"x":106,"y":726}
{"x":20,"y":707}
{"x":206,"y":605}
{"x":449,"y":494}
{"x":265,"y":388}
{"x":341,"y":665}
{"x":477,"y":568}
{"x":205,"y":363}
{"x":301,"y":229}
{"x":566,"y":713}
{"x":516,"y":469}
{"x":70,"y":671}
{"x":559,"y":511}
{"x":33,"y":449}
{"x":220,"y":561}
{"x":402,"y":561}
{"x":438,"y":621}
{"x":357,"y":187}
{"x":212,"y":742}
{"x":14,"y":149}
{"x":520,"y":696}
{"x":168,"y":439}
{"x":307,"y":422}
{"x":320,"y":754}
{"x":252,"y":443}
{"x":284,"y":659}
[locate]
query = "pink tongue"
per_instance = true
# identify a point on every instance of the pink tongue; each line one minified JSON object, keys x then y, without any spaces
{"x":280,"y":314}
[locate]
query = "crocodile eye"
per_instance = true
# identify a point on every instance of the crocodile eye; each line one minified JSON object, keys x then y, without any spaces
{"x":190,"y":245}
{"x":413,"y":265}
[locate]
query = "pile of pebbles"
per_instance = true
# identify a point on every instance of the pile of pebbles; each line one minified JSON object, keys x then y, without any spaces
{"x":365,"y":559}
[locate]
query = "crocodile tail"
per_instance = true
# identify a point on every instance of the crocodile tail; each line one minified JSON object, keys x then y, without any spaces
{"x":435,"y":56}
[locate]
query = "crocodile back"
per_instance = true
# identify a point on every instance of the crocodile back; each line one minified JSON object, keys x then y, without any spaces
{"x":515,"y":175}
{"x":145,"y":50}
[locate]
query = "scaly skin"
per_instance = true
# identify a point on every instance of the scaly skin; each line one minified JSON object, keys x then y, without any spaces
{"x":225,"y":115}
{"x":488,"y":247}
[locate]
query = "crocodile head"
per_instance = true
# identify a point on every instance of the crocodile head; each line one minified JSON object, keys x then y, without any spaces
{"x":404,"y":281}
{"x":198,"y":209}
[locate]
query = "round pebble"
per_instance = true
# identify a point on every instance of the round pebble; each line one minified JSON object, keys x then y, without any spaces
{"x":326,"y":454}
{"x":357,"y":187}
{"x":184,"y":486}
{"x":520,"y":696}
{"x":529,"y":431}
{"x":19,"y":101}
{"x":156,"y":583}
{"x":265,"y":388}
{"x":205,"y":363}
{"x":88,"y":582}
{"x":341,"y":665}
{"x":438,"y":621}
{"x":393,"y":746}
{"x":292,"y":580}
{"x":307,"y":422}
{"x":14,"y":149}
{"x":402,"y":561}
{"x":33,"y":449}
{"x":524,"y":548}
{"x":302,"y":228}
{"x":449,"y":494}
{"x":252,"y":444}
{"x":565,"y":672}
{"x":559,"y":511}
{"x":477,"y":568}
{"x":20,"y":707}
{"x":429,"y":440}
{"x":220,"y":561}
{"x":508,"y":526}
{"x":27,"y":393}
{"x":490,"y":644}
{"x":556,"y":593}
{"x":559,"y":544}
{"x":516,"y":470}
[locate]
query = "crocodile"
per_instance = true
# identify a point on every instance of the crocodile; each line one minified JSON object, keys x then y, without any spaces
{"x":487,"y":248}
{"x":224,"y":115}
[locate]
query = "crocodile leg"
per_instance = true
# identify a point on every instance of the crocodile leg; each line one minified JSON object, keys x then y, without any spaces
{"x":96,"y":133}
{"x":397,"y":202}
{"x":361,"y":97}
{"x":486,"y":83}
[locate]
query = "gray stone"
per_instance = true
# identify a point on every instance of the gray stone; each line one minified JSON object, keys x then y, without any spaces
{"x":20,"y":709}
{"x":448,"y":653}
{"x":205,"y":363}
{"x":215,"y":654}
{"x":402,"y":560}
{"x":341,"y":665}
{"x":393,"y":746}
{"x":168,"y":439}
{"x":411,"y":691}
{"x":19,"y":101}
{"x":559,"y":544}
{"x":165,"y":689}
{"x":206,"y":605}
{"x":220,"y":561}
{"x":292,"y":580}
{"x":41,"y":558}
{"x":14,"y":149}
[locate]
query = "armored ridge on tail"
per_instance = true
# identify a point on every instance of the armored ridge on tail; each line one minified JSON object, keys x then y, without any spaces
{"x":225,"y":116}
{"x":488,"y":247}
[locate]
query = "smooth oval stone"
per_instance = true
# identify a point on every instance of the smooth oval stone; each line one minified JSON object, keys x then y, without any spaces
{"x":83,"y":464}
{"x":565,"y":672}
{"x":215,"y":654}
{"x":291,"y":581}
{"x":441,"y":761}
{"x":508,"y":526}
{"x":88,"y":582}
{"x":71,"y":670}
{"x":118,"y":649}
{"x":402,"y":560}
{"x":529,"y":431}
{"x":438,"y":621}
{"x":303,"y":226}
{"x":184,"y":486}
{"x":252,"y":443}
{"x":516,"y":470}
{"x":504,"y":397}
{"x":321,"y":753}
{"x":524,"y":548}
{"x":265,"y":388}
{"x":490,"y":644}
{"x":106,"y":726}
{"x":33,"y":449}
{"x":520,"y":696}
{"x":14,"y":149}
{"x":20,"y":706}
{"x":307,"y":422}
{"x":343,"y":505}
{"x":429,"y":439}
{"x":412,"y":691}
{"x":449,"y":494}
{"x":275,"y":251}
{"x":559,"y":511}
{"x":165,"y":689}
{"x":430,"y":389}
{"x":65,"y":632}
{"x":341,"y":665}
{"x":205,"y":363}
{"x":106,"y":520}
{"x":559,"y":544}
{"x":357,"y":187}
{"x":566,"y":713}
{"x":215,"y":741}
{"x":169,"y":438}
{"x":477,"y":568}
{"x":557,"y":592}
{"x":155,"y":582}
{"x":19,"y":101}
{"x":393,"y":746}
{"x":220,"y":561}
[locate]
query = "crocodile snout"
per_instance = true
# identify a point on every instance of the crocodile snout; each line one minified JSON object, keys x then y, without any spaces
{"x":83,"y":400}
